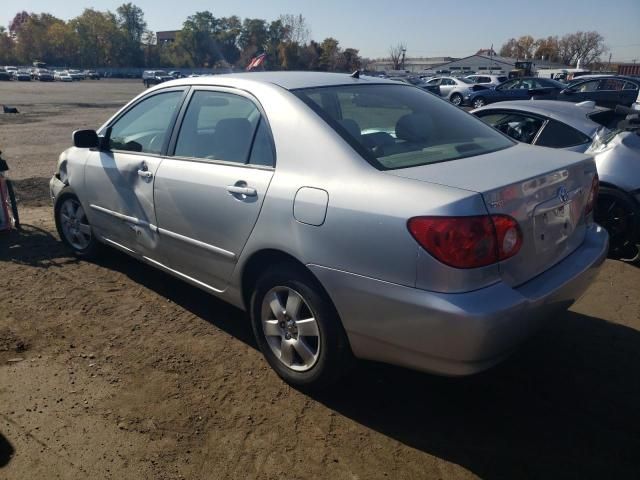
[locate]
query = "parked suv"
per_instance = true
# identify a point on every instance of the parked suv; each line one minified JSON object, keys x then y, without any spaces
{"x":154,"y":77}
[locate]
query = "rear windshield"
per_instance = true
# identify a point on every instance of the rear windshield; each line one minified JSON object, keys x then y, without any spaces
{"x":398,"y":126}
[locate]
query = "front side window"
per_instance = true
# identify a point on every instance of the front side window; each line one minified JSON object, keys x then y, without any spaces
{"x":587,"y":86}
{"x":630,"y":86}
{"x":218,"y":126}
{"x":145,"y":127}
{"x":522,"y":128}
{"x":393,"y":126}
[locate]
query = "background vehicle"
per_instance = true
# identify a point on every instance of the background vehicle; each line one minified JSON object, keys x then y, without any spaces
{"x":442,"y":268}
{"x":454,"y":89}
{"x":62,"y":76}
{"x":76,"y":75}
{"x":482,"y":79}
{"x":43,"y":75}
{"x":5,"y":75}
{"x":418,"y":82}
{"x":605,"y":91}
{"x":523,"y":69}
{"x":582,"y":127}
{"x":22,"y":75}
{"x":155,"y":77}
{"x":91,"y":75}
{"x":515,"y":89}
{"x":176,"y":74}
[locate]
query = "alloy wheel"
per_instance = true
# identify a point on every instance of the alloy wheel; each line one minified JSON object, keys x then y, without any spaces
{"x":290,"y":328}
{"x":75,"y":226}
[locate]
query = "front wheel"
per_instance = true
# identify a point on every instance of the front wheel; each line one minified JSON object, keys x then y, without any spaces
{"x":456,"y":99}
{"x":298,"y":329}
{"x":479,"y":102}
{"x":619,"y":214}
{"x":73,"y":226}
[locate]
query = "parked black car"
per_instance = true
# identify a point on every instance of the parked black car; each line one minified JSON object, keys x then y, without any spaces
{"x":606,"y":91}
{"x":522,"y":88}
{"x":4,"y":75}
{"x":154,"y":77}
{"x":91,"y":75}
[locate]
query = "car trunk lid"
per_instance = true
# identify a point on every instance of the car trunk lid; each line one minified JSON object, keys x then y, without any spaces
{"x":544,"y":190}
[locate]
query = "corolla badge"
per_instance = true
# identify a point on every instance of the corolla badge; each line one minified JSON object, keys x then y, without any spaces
{"x":563,"y":194}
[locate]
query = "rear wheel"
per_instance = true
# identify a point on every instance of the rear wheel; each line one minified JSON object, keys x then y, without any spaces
{"x":456,"y":99}
{"x":73,"y":226}
{"x":619,"y":214}
{"x":479,"y":102}
{"x":298,"y":329}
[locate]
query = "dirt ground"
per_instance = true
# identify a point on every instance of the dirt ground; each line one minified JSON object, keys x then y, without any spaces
{"x":114,"y":370}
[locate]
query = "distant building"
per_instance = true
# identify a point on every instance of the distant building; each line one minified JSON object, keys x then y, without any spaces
{"x":412,"y":64}
{"x":480,"y":63}
{"x":632,"y":69}
{"x":168,"y":36}
{"x":492,"y":64}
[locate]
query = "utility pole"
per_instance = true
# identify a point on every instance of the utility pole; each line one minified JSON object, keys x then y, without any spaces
{"x":404,"y":50}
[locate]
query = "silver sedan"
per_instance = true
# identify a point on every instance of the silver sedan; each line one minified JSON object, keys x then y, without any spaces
{"x":455,"y":89}
{"x":351,"y":217}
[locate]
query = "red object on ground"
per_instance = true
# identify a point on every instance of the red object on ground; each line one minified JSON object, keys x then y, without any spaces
{"x":6,"y":216}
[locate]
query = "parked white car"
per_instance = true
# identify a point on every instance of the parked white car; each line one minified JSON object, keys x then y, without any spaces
{"x":482,"y":79}
{"x":62,"y":76}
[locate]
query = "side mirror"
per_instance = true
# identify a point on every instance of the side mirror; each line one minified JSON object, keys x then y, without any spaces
{"x":85,"y":139}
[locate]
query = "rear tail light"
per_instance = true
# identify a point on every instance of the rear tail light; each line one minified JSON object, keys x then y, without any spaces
{"x":468,"y":242}
{"x":593,"y":195}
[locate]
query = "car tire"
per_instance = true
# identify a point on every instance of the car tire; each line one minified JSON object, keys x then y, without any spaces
{"x":456,"y":99}
{"x":73,"y":226}
{"x":619,"y":214}
{"x":311,"y":360}
{"x":479,"y":102}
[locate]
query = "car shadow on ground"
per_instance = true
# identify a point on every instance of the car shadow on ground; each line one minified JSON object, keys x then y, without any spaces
{"x":566,"y":405}
{"x":6,"y":451}
{"x":35,"y":247}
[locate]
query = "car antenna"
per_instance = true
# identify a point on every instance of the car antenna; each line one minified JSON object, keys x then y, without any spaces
{"x":356,"y":74}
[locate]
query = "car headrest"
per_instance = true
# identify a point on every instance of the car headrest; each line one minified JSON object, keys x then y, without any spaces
{"x":414,"y":127}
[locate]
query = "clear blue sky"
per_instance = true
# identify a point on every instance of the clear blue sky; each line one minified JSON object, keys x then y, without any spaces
{"x":427,"y":27}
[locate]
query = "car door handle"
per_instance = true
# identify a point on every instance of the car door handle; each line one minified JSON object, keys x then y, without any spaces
{"x":146,"y":174}
{"x":248,"y":191}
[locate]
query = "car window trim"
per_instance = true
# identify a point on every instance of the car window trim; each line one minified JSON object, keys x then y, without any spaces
{"x":141,"y":99}
{"x":171,"y":148}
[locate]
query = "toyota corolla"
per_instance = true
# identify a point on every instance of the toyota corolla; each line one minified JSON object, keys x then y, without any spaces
{"x":351,"y":217}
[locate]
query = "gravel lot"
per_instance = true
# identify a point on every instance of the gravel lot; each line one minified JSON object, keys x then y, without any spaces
{"x":115,"y":370}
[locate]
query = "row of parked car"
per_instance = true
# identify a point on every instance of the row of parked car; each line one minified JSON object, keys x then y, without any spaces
{"x":46,"y":75}
{"x":479,"y":90}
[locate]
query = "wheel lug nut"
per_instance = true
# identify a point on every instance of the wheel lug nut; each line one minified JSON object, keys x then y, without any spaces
{"x":288,"y":336}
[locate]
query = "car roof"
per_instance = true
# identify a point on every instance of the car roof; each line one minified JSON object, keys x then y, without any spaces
{"x":573,"y":114}
{"x":291,"y":80}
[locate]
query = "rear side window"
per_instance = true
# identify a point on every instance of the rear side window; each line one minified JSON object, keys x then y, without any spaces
{"x":520,"y":127}
{"x":218,"y":126}
{"x":560,"y":135}
{"x":396,"y":126}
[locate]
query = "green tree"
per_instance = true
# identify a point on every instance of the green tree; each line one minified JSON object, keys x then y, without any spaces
{"x":7,"y":54}
{"x":100,"y":40}
{"x":330,"y":56}
{"x":197,"y":39}
{"x":131,"y":22}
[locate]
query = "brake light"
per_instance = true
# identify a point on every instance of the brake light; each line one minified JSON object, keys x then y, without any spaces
{"x":468,"y":242}
{"x":593,"y":195}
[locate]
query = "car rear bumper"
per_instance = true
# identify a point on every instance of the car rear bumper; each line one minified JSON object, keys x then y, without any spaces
{"x":456,"y":334}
